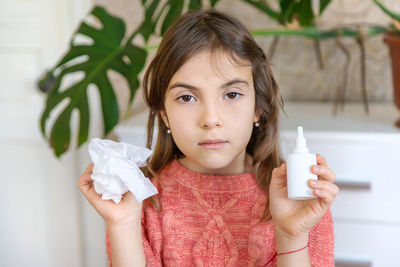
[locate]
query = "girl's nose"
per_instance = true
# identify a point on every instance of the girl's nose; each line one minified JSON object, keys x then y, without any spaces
{"x":211,"y":117}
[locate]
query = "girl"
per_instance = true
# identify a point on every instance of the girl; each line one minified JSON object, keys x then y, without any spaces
{"x":222,"y":185}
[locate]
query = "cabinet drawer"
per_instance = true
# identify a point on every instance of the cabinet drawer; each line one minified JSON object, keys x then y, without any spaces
{"x":366,"y":245}
{"x":367,"y":168}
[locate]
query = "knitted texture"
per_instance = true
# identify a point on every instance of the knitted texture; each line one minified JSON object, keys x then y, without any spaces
{"x":209,"y":220}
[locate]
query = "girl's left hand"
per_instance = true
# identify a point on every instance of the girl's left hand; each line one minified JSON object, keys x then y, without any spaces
{"x":296,"y":218}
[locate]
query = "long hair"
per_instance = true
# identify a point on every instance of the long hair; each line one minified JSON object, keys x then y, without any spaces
{"x":211,"y":30}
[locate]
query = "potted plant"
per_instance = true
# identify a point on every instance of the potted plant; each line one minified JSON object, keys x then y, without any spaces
{"x":392,"y":39}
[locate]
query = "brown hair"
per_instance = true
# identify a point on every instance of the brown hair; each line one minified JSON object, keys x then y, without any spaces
{"x":193,"y":32}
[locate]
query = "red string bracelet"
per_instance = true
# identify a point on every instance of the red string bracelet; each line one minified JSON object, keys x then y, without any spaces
{"x":283,"y":253}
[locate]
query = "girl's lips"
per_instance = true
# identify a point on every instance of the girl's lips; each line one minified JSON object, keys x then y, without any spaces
{"x":213,"y":144}
{"x":208,"y":141}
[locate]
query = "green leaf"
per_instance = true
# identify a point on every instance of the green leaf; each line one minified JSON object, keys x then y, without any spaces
{"x":138,"y":56}
{"x":149,"y":23}
{"x":60,"y":135}
{"x":84,"y":113}
{"x":305,"y":12}
{"x":175,"y":11}
{"x":196,"y":4}
{"x":323,"y":4}
{"x":387,"y":11}
{"x":315,"y":33}
{"x":109,"y":104}
{"x":287,"y":9}
{"x":104,"y":55}
{"x":148,"y":26}
{"x":266,"y":9}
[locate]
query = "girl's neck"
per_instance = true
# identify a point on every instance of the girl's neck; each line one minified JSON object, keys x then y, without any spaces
{"x":243,"y":163}
{"x":207,"y":182}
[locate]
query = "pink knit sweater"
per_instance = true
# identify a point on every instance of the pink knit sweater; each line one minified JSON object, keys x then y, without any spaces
{"x":211,"y":220}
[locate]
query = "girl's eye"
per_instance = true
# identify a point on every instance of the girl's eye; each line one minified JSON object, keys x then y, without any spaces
{"x":189,"y":98}
{"x":185,"y":98}
{"x":233,"y":95}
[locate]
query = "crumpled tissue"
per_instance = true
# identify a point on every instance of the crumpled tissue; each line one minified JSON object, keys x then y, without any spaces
{"x":116,"y":170}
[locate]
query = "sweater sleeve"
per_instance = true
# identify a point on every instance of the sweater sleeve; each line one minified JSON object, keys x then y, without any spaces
{"x":321,"y":242}
{"x":151,"y":236}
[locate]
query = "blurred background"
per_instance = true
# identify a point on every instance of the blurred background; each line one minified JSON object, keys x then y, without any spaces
{"x":44,"y":219}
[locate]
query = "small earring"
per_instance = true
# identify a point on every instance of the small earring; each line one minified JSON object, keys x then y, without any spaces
{"x":256,"y":124}
{"x":168,"y":131}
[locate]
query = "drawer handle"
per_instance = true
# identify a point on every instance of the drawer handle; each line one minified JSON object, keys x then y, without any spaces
{"x":353,"y":262}
{"x":350,"y":183}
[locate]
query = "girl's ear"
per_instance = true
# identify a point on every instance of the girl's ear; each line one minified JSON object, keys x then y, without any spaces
{"x":164,"y":118}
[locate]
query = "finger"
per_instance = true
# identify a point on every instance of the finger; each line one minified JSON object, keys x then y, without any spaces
{"x":326,"y":193}
{"x":85,"y":181}
{"x":324,"y":185}
{"x":324,"y":172}
{"x":278,"y":177}
{"x":279,"y":172}
{"x":89,"y":169}
{"x":86,"y":186}
{"x":321,"y":160}
{"x":325,"y":196}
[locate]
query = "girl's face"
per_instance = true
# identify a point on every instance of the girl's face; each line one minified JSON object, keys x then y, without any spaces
{"x":211,"y":114}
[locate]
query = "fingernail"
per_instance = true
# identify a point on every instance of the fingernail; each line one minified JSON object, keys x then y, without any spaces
{"x":313,"y":182}
{"x":316,"y":169}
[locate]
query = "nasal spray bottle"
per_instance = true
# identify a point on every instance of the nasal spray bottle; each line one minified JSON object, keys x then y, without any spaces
{"x":299,"y":169}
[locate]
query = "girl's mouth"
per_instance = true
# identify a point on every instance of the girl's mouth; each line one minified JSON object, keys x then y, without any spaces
{"x":213,"y":144}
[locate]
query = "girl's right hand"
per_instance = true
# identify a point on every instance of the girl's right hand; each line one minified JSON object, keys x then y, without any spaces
{"x":128,"y":210}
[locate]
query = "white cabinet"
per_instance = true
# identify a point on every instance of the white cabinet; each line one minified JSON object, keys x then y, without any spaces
{"x":363,"y":150}
{"x":364,"y":153}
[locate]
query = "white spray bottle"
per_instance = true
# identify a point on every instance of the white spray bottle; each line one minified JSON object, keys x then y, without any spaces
{"x":299,"y":169}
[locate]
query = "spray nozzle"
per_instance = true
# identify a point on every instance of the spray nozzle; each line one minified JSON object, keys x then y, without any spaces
{"x":300,"y":142}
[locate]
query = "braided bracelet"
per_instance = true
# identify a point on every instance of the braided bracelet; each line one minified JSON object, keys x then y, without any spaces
{"x":283,"y":253}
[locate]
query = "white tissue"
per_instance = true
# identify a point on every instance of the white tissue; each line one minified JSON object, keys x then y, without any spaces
{"x":116,"y":170}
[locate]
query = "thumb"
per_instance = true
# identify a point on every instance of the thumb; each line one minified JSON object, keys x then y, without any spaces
{"x":279,"y":175}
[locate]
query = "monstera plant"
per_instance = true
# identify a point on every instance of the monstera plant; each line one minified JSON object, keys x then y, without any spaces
{"x":112,"y":49}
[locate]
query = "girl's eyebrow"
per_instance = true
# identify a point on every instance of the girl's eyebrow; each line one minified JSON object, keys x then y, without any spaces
{"x":191,"y":87}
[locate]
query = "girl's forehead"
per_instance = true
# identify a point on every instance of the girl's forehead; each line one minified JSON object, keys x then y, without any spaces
{"x":208,"y":66}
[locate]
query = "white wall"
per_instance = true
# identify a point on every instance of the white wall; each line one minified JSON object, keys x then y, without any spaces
{"x":40,"y":208}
